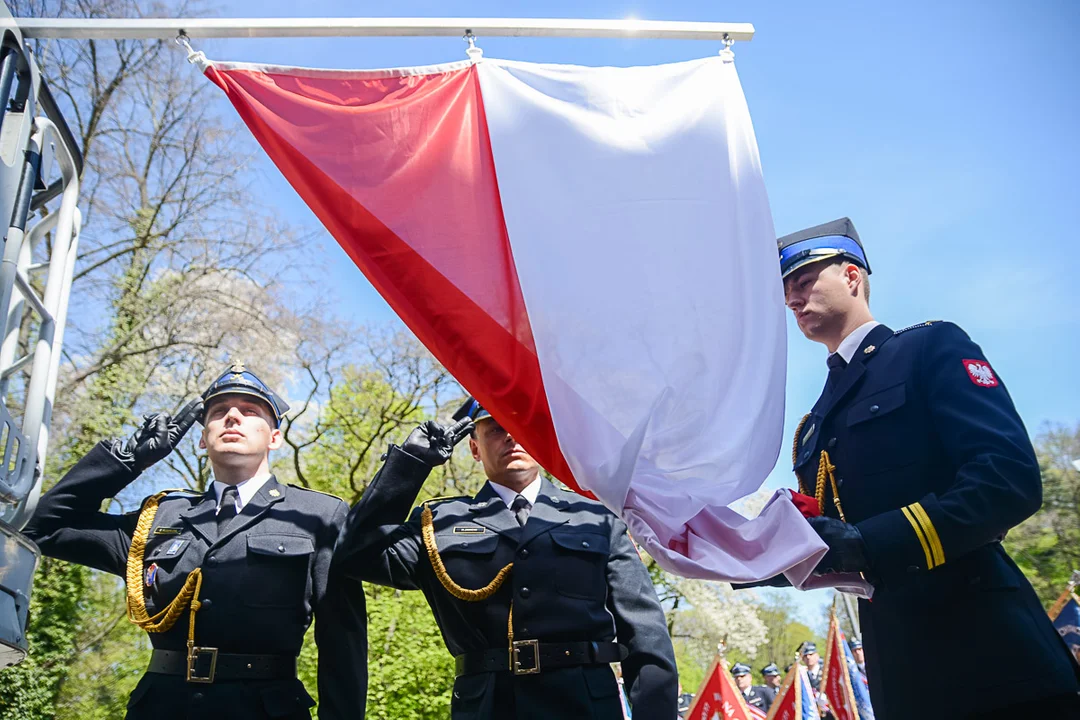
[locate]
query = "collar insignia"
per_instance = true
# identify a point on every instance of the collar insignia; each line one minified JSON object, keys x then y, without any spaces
{"x":869,"y":349}
{"x":274,"y":492}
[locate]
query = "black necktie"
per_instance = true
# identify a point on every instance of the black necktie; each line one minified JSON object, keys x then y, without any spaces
{"x":226,"y":510}
{"x":837,"y":365}
{"x":520,"y":507}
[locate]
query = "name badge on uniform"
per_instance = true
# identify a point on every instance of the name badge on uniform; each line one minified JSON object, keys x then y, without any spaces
{"x":166,"y":531}
{"x":175,"y":547}
{"x":151,"y":574}
{"x":466,"y":530}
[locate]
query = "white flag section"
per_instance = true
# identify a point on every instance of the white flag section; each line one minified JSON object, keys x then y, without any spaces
{"x":640,"y":228}
{"x":590,"y":252}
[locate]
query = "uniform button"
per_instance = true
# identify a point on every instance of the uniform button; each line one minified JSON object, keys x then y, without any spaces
{"x":465,"y":544}
{"x":584,"y":543}
{"x":913,"y":568}
{"x":524,"y":552}
{"x":281,"y":548}
{"x":457,"y":695}
{"x":874,"y":408}
{"x":197,"y":697}
{"x":206,"y":604}
{"x":212,"y":559}
{"x":832,"y":443}
{"x":524,"y":631}
{"x":525,"y":592}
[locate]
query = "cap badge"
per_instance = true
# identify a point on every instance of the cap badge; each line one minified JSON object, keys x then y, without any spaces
{"x":238,"y":367}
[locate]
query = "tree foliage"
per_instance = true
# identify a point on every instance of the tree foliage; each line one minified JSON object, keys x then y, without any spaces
{"x":1046,"y":546}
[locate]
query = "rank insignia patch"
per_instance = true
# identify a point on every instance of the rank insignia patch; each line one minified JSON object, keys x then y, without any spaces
{"x":980,"y":373}
{"x":166,"y":531}
{"x":465,"y":530}
{"x":175,"y":547}
{"x":151,"y":574}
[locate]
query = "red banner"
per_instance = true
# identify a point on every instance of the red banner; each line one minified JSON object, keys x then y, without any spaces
{"x":719,"y":696}
{"x":835,"y":679}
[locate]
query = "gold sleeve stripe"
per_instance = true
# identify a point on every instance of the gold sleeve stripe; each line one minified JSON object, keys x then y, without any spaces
{"x":919,"y":534}
{"x":931,"y":533}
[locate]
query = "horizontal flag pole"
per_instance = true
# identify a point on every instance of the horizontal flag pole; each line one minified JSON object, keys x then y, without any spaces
{"x":168,"y":28}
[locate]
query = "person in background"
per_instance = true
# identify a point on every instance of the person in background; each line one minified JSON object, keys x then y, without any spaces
{"x":757,"y":696}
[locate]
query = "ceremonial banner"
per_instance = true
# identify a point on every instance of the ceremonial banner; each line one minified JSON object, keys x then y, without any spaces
{"x":1065,"y":614}
{"x":795,"y":701}
{"x":719,"y":697}
{"x":590,"y":252}
{"x":840,"y":677}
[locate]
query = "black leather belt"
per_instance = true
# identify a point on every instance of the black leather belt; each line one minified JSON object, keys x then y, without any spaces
{"x":531,"y":657}
{"x":207,"y":665}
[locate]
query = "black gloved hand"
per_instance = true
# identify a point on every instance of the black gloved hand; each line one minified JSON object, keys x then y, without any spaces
{"x":433,"y":444}
{"x":157,"y":437}
{"x":847,"y":549}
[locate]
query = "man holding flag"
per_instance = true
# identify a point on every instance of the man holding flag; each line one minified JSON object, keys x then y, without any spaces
{"x":920,"y":464}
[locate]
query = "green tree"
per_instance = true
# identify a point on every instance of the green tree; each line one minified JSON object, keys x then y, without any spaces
{"x":1046,"y":546}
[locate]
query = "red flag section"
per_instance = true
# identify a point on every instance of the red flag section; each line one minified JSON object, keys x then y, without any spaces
{"x":835,"y":678}
{"x":720,"y":698}
{"x":398,"y":167}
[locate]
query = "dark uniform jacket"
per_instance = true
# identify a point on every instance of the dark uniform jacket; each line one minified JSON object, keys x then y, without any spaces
{"x":262,"y":581}
{"x":933,"y":466}
{"x":759,"y":696}
{"x":576,"y":577}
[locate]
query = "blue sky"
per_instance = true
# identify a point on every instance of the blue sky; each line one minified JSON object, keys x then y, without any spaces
{"x":948,"y":132}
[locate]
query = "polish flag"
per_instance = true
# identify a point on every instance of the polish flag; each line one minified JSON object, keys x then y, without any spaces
{"x":795,"y":700}
{"x":590,"y":252}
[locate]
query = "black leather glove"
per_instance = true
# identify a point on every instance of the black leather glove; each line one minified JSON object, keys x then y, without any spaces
{"x":847,"y":549}
{"x":156,"y":438}
{"x":433,"y":444}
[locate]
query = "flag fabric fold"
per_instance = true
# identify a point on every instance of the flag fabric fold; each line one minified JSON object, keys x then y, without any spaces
{"x":590,"y":252}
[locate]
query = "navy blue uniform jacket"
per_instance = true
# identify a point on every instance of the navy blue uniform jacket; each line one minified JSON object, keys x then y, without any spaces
{"x":934,"y":466}
{"x":263,"y":580}
{"x":576,"y":577}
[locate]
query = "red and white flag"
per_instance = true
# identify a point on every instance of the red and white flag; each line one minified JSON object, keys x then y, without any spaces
{"x":835,"y":678}
{"x":719,"y":698}
{"x":590,"y":252}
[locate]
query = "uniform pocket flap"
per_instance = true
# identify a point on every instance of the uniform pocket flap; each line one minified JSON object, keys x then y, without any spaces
{"x":876,"y":405}
{"x":472,"y":543}
{"x":280,"y":545}
{"x":587,"y":542}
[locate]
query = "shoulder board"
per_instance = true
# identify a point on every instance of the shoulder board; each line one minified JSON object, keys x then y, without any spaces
{"x":928,"y":323}
{"x":301,"y":487}
{"x":444,"y":498}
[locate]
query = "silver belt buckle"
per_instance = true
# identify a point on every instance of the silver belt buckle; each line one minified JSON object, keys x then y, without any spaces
{"x":515,"y":658}
{"x":194,"y":654}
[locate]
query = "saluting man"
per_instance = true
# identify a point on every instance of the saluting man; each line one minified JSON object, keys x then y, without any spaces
{"x":226,"y":581}
{"x":758,"y":696}
{"x":921,"y":464}
{"x":536,"y":590}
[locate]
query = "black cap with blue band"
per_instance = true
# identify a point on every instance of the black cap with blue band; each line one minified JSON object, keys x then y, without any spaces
{"x":238,"y":380}
{"x":836,"y":239}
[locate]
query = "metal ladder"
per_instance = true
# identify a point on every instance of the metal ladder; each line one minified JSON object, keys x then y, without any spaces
{"x":35,"y":145}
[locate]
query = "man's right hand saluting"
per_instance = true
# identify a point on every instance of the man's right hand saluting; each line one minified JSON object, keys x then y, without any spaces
{"x":157,"y":437}
{"x":433,"y":444}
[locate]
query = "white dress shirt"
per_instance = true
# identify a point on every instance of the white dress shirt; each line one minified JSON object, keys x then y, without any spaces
{"x":244,"y":491}
{"x":851,"y":343}
{"x":529,"y":492}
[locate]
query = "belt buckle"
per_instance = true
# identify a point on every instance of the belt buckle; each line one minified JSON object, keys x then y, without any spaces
{"x":194,"y":654}
{"x":515,"y":658}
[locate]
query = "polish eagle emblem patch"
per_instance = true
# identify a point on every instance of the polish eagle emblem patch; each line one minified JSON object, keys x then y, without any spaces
{"x":980,"y":373}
